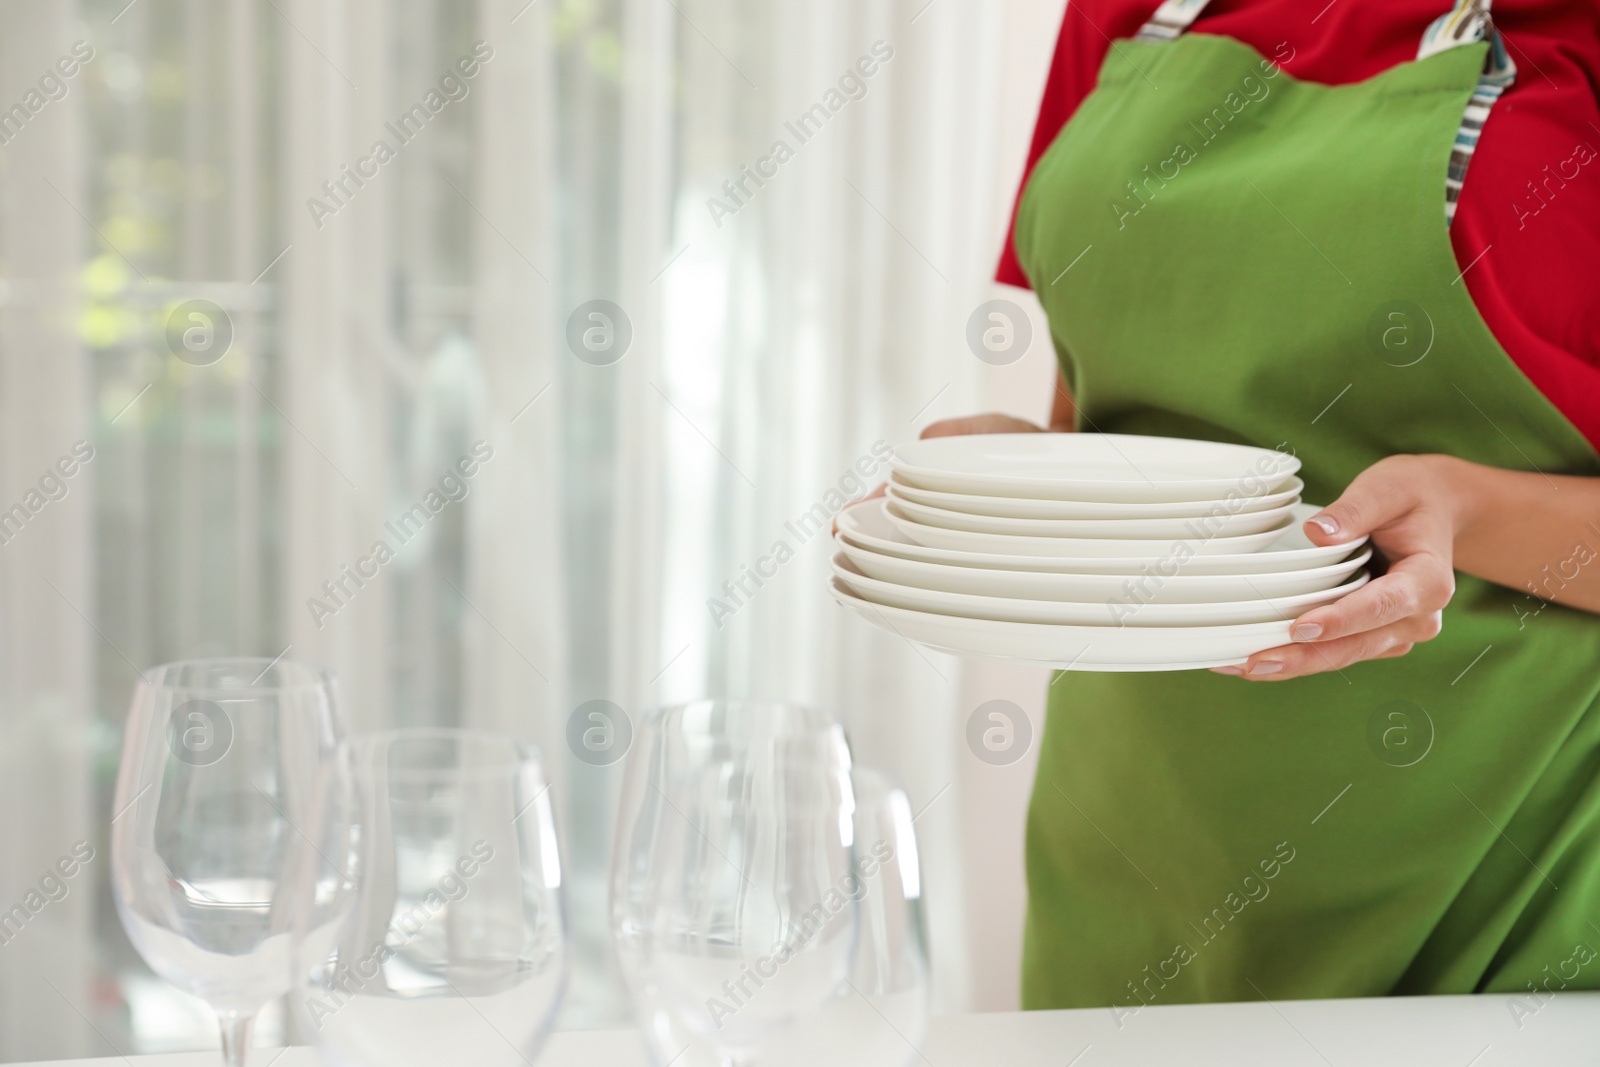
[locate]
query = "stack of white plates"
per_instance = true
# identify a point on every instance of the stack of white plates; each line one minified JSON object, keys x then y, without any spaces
{"x":1100,"y":552}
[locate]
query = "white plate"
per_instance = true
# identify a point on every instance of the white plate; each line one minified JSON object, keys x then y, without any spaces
{"x":1225,"y":518}
{"x":1019,"y":507}
{"x":1117,"y":611}
{"x":1043,"y":585}
{"x":1110,"y":468}
{"x":1099,"y":648}
{"x":867,"y":525}
{"x":1153,"y":548}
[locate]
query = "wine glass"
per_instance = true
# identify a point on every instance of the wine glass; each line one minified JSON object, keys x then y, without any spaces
{"x":447,"y":941}
{"x":878,"y":1017}
{"x":220,"y":760}
{"x":731,"y":909}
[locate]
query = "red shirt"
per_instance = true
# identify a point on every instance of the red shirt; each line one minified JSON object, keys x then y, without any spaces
{"x":1527,"y":224}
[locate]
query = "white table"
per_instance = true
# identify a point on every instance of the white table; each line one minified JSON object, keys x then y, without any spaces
{"x":1401,"y":1031}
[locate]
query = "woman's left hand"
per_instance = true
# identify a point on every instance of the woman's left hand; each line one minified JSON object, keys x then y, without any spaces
{"x":1412,"y":507}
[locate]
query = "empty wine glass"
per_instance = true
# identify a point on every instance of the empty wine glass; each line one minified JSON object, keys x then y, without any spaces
{"x":219,"y":764}
{"x":448,"y":940}
{"x":731,"y":874}
{"x":878,"y":1017}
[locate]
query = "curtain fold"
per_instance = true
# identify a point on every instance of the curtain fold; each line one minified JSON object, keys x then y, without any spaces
{"x":47,"y":580}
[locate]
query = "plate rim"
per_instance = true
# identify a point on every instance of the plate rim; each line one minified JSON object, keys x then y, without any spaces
{"x":1359,"y":559}
{"x":1357,"y":582}
{"x":1065,"y":562}
{"x":1263,"y":627}
{"x":977,"y":500}
{"x":1287,"y":465}
{"x":1152,"y":543}
{"x":894,"y":494}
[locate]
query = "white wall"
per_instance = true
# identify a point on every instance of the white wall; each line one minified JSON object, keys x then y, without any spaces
{"x":995,"y":798}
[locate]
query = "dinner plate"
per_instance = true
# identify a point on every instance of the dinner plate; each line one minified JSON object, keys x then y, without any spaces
{"x":1043,"y":585}
{"x":1198,"y":542}
{"x":1117,"y":611}
{"x":1225,"y":519}
{"x":1018,"y":507}
{"x":1109,"y":468}
{"x":1098,"y":648}
{"x":867,"y":525}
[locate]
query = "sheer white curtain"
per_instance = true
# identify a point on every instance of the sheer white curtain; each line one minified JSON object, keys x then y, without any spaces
{"x":46,"y":577}
{"x":778,"y":343}
{"x":389,"y":329}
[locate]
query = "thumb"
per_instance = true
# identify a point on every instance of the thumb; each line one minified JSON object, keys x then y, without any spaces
{"x":1379,"y":495}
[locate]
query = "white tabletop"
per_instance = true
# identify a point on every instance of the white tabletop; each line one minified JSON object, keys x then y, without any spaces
{"x":1483,"y":1031}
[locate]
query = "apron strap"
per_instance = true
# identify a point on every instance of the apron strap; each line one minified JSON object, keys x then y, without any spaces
{"x":1170,"y":20}
{"x":1467,"y":23}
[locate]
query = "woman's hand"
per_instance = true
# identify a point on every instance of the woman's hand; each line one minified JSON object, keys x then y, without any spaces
{"x":1414,"y":507}
{"x":971,"y":424}
{"x":1061,"y":419}
{"x":993,"y":422}
{"x":967,"y":424}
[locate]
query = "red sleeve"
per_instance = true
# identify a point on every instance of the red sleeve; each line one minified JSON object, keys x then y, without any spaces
{"x":1086,"y":35}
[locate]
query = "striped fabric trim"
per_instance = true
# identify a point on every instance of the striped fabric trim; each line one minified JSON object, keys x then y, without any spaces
{"x":1170,"y":20}
{"x":1467,"y":23}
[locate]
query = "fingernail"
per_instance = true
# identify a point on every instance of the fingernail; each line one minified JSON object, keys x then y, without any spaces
{"x":1266,"y":666}
{"x":1326,"y":524}
{"x":1234,"y":671}
{"x":1306,"y":631}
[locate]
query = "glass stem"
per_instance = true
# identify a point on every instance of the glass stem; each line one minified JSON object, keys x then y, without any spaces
{"x":236,"y":1027}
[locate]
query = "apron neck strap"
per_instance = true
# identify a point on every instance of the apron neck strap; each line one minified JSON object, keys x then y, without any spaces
{"x":1466,"y":23}
{"x":1170,"y":20}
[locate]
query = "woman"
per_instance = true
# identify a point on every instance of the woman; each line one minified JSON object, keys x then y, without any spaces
{"x":1249,"y":231}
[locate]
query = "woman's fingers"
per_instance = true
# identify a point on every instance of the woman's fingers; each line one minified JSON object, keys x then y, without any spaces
{"x":1295,"y":661}
{"x":1379,"y":495}
{"x":975,"y":424}
{"x":1418,"y":585}
{"x":1396,"y":502}
{"x":1381,"y":620}
{"x":964,"y":426}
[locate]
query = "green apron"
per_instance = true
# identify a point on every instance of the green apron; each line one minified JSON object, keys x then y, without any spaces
{"x":1249,"y":245}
